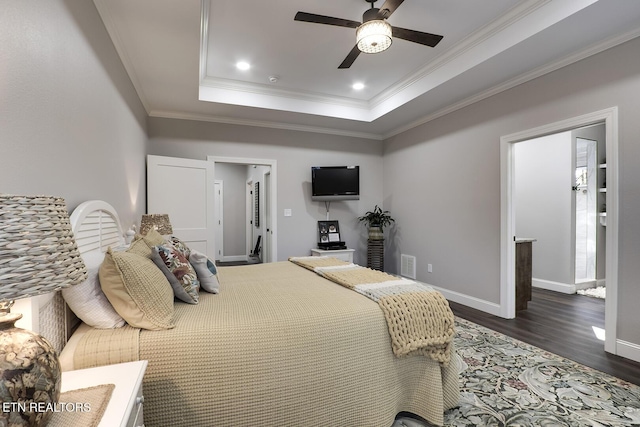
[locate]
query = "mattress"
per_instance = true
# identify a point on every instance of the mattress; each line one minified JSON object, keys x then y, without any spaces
{"x":278,"y":346}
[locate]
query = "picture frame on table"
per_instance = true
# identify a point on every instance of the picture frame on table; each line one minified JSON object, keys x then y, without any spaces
{"x":328,"y":231}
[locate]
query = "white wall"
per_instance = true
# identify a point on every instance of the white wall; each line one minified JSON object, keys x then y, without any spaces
{"x":295,"y":153}
{"x":71,"y":123}
{"x":543,"y":180}
{"x":448,"y":205}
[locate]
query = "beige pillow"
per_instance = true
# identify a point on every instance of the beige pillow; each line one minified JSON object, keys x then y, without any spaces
{"x":137,"y":290}
{"x":143,"y":245}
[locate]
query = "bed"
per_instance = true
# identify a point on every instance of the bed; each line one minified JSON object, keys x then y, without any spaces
{"x":279,"y":345}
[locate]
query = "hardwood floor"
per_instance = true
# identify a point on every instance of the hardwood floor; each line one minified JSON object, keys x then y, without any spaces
{"x":561,"y":324}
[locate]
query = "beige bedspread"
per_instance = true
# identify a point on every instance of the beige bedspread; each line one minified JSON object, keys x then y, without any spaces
{"x":279,"y":346}
{"x":418,"y":317}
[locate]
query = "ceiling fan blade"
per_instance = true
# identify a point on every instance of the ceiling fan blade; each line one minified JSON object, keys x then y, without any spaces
{"x":388,"y":8}
{"x":328,"y":20}
{"x":416,"y":36}
{"x":351,"y":57}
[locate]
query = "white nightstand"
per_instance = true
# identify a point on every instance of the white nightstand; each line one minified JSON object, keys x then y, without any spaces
{"x":343,"y":254}
{"x":125,"y":406}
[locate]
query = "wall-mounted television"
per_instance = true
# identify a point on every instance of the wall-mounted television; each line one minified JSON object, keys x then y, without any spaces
{"x":335,"y":183}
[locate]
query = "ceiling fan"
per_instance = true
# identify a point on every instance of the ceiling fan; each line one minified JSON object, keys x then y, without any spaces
{"x":374,"y":34}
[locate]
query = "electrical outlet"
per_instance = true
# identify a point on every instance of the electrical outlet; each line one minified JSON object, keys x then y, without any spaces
{"x":429,"y":268}
{"x":287,"y":212}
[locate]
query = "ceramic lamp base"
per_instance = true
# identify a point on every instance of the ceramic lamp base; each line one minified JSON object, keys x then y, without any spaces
{"x":30,"y":375}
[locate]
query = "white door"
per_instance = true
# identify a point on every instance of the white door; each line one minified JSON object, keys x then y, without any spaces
{"x":184,"y":189}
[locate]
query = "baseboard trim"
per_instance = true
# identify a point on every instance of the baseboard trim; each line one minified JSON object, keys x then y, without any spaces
{"x":234,"y":258}
{"x":473,"y":302}
{"x":565,"y":288}
{"x":628,"y":350}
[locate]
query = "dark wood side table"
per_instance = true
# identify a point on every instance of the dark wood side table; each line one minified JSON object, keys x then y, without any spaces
{"x":524,"y":255}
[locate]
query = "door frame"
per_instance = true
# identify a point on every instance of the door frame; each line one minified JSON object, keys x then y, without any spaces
{"x":266,"y":212}
{"x":507,"y":213}
{"x":218,"y":200}
{"x":250,"y":209}
{"x":272,"y":191}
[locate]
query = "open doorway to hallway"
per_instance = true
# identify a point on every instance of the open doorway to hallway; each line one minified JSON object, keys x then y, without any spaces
{"x":508,"y":175}
{"x":245,"y":210}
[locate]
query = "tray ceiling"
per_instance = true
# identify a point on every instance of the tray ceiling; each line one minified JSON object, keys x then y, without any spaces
{"x":181,"y":57}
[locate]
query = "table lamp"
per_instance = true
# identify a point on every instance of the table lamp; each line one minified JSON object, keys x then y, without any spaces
{"x":158,"y":221}
{"x":38,"y":254}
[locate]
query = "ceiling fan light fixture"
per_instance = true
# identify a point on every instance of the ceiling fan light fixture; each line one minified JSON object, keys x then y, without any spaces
{"x":374,"y":36}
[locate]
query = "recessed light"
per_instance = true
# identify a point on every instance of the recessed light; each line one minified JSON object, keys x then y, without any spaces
{"x":358,"y":86}
{"x":243,"y":65}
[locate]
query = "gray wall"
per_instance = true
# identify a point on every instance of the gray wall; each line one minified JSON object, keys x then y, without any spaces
{"x":71,"y":123}
{"x":543,"y":180}
{"x":448,"y":206}
{"x":295,"y":153}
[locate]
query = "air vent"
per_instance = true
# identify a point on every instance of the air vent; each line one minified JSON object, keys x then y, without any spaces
{"x":408,"y":266}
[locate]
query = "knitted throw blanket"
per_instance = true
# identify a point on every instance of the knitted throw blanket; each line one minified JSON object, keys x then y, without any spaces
{"x":418,"y":317}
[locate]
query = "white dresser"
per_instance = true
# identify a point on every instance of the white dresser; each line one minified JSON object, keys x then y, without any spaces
{"x":125,"y":406}
{"x":343,"y":254}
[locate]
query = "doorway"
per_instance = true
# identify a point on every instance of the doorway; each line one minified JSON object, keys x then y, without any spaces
{"x":262,"y":219}
{"x":508,"y":218}
{"x":557,"y":203}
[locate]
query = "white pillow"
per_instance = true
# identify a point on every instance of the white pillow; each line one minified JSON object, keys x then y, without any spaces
{"x":88,"y":301}
{"x":206,"y":271}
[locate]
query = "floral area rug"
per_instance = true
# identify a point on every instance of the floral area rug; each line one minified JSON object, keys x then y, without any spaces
{"x":505,"y":382}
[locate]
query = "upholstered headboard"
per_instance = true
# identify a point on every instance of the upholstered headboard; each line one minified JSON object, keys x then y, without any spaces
{"x":95,"y":226}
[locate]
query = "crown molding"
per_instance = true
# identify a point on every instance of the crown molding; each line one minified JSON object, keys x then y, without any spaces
{"x":469,"y":43}
{"x":263,"y":124}
{"x":261,"y":89}
{"x":523,"y":78}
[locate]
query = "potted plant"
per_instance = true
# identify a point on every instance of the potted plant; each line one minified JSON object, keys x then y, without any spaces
{"x":376,"y":220}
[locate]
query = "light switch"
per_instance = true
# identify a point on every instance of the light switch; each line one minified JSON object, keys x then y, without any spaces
{"x":287,"y":212}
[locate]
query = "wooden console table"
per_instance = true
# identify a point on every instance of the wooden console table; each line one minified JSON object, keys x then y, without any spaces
{"x":524,"y":252}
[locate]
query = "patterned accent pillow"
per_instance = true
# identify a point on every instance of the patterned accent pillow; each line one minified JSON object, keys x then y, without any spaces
{"x":206,"y":271}
{"x":180,"y":246}
{"x":178,"y":271}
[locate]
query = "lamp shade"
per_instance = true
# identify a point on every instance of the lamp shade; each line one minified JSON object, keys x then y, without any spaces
{"x":160,"y":222}
{"x":38,"y":253}
{"x":374,"y":36}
